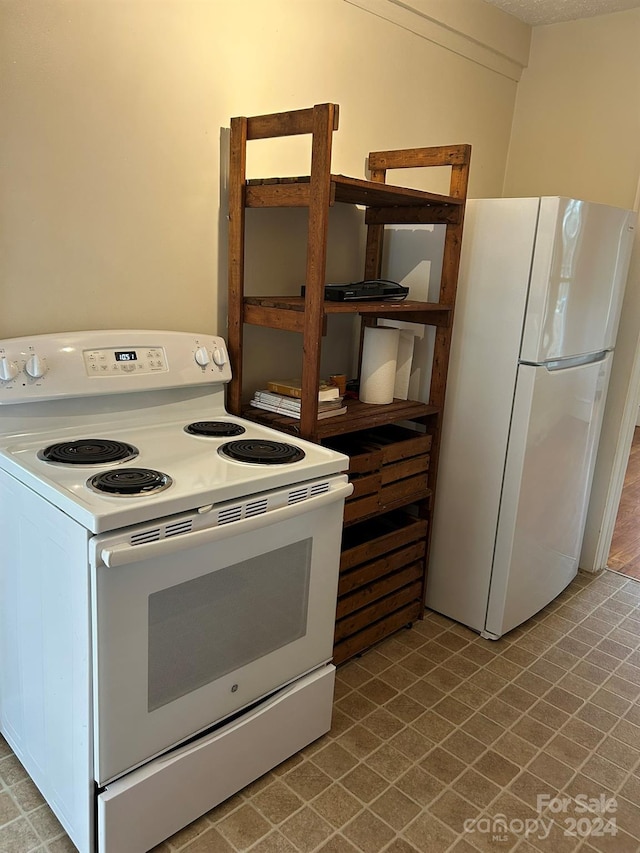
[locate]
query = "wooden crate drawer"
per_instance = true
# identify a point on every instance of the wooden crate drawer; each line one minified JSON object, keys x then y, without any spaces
{"x":396,"y":443}
{"x":373,"y":539}
{"x":406,"y":468}
{"x":361,"y":508}
{"x":369,"y":572}
{"x":382,"y":607}
{"x":390,"y":461}
{"x":371,"y":592}
{"x":364,"y":639}
{"x":368,"y":484}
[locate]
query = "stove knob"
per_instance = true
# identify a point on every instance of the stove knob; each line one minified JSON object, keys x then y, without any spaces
{"x":8,"y":369}
{"x":202,"y":356}
{"x":220,"y":357}
{"x":35,"y":367}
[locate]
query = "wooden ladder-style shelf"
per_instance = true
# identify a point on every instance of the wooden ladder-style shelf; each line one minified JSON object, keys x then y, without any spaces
{"x":385,"y":204}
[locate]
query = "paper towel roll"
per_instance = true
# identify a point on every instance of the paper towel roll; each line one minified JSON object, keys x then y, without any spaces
{"x":379,"y":357}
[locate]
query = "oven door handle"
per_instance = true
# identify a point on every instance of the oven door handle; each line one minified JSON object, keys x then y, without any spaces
{"x":123,"y":553}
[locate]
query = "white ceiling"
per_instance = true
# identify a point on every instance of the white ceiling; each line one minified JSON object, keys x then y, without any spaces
{"x":535,"y":12}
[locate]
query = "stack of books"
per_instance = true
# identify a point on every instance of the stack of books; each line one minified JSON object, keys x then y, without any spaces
{"x":284,"y":398}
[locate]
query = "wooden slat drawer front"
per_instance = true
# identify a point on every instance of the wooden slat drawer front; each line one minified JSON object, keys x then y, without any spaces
{"x":364,"y":507}
{"x":382,"y":607}
{"x":369,"y":484}
{"x":395,"y":443}
{"x":404,"y":468}
{"x":362,"y":640}
{"x":369,"y":572}
{"x":413,"y":488}
{"x":373,"y":591}
{"x":397,"y":455}
{"x":372,"y":539}
{"x":363,"y":462}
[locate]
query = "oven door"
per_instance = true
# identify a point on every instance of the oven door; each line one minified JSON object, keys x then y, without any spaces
{"x":195,"y":618}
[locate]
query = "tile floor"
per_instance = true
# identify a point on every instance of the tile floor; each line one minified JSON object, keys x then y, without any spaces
{"x":436,"y":729}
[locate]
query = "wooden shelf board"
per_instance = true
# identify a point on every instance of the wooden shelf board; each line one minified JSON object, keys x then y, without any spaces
{"x":359,"y":416}
{"x":286,"y":312}
{"x":350,"y":191}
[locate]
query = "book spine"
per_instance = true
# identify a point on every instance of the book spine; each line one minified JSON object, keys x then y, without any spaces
{"x":276,"y":400}
{"x":287,"y":390}
{"x":279,"y":410}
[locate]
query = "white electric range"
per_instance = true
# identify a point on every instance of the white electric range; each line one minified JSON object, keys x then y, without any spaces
{"x":168,"y":582}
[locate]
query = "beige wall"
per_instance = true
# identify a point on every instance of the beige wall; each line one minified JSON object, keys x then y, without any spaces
{"x":576,"y":132}
{"x":576,"y":129}
{"x":114,"y":114}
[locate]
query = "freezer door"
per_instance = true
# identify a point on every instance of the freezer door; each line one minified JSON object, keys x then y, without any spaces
{"x":578,"y":275}
{"x":552,"y":445}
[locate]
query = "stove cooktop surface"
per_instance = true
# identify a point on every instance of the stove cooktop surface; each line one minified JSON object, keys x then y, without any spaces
{"x":197,"y":470}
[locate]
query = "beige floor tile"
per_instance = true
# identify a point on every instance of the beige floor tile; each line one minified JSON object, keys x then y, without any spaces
{"x":567,"y":751}
{"x":368,"y":832}
{"x":307,"y":780}
{"x":207,"y":842}
{"x":530,"y":788}
{"x":620,"y":753}
{"x":383,"y":723}
{"x":45,"y":823}
{"x":482,"y":728}
{"x":604,"y":771}
{"x":496,"y":768}
{"x":275,"y":842}
{"x":337,"y":844}
{"x":550,"y":770}
{"x":443,"y":765}
{"x":17,"y":837}
{"x":378,"y":691}
{"x":420,"y":785}
{"x":388,"y":762}
{"x":515,"y":748}
{"x":429,"y":835}
{"x":334,"y":760}
{"x":412,"y":743}
{"x":476,"y":789}
{"x":276,"y":802}
{"x":463,"y":746}
{"x":395,"y":808}
{"x":453,"y":710}
{"x":453,"y":810}
{"x":364,"y":783}
{"x":306,"y":830}
{"x":582,"y":733}
{"x":8,"y":808}
{"x":405,"y":708}
{"x":359,"y":740}
{"x":337,"y":805}
{"x":243,"y":827}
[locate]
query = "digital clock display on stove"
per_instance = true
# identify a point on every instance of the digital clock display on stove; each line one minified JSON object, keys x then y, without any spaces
{"x":130,"y":355}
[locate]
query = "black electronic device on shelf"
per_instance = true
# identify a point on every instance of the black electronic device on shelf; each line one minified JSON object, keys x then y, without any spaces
{"x":368,"y":290}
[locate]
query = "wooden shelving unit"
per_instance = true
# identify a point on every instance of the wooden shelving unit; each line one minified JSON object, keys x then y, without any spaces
{"x":394,"y":470}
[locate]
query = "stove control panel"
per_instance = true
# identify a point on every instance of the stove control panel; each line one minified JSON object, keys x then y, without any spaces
{"x":80,"y":364}
{"x":110,"y":362}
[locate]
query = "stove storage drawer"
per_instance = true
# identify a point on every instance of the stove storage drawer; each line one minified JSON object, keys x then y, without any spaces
{"x":388,"y":468}
{"x":140,"y":810}
{"x":381,"y":580}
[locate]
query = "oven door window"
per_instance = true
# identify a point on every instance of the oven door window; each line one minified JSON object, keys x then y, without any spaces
{"x":207,"y":627}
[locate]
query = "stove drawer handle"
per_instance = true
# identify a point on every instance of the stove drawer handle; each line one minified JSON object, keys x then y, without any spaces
{"x":123,"y":553}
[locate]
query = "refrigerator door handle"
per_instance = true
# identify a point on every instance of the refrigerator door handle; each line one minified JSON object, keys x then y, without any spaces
{"x":571,"y":361}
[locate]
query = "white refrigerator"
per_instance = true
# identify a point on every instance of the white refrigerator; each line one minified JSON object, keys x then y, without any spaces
{"x":539,"y":298}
